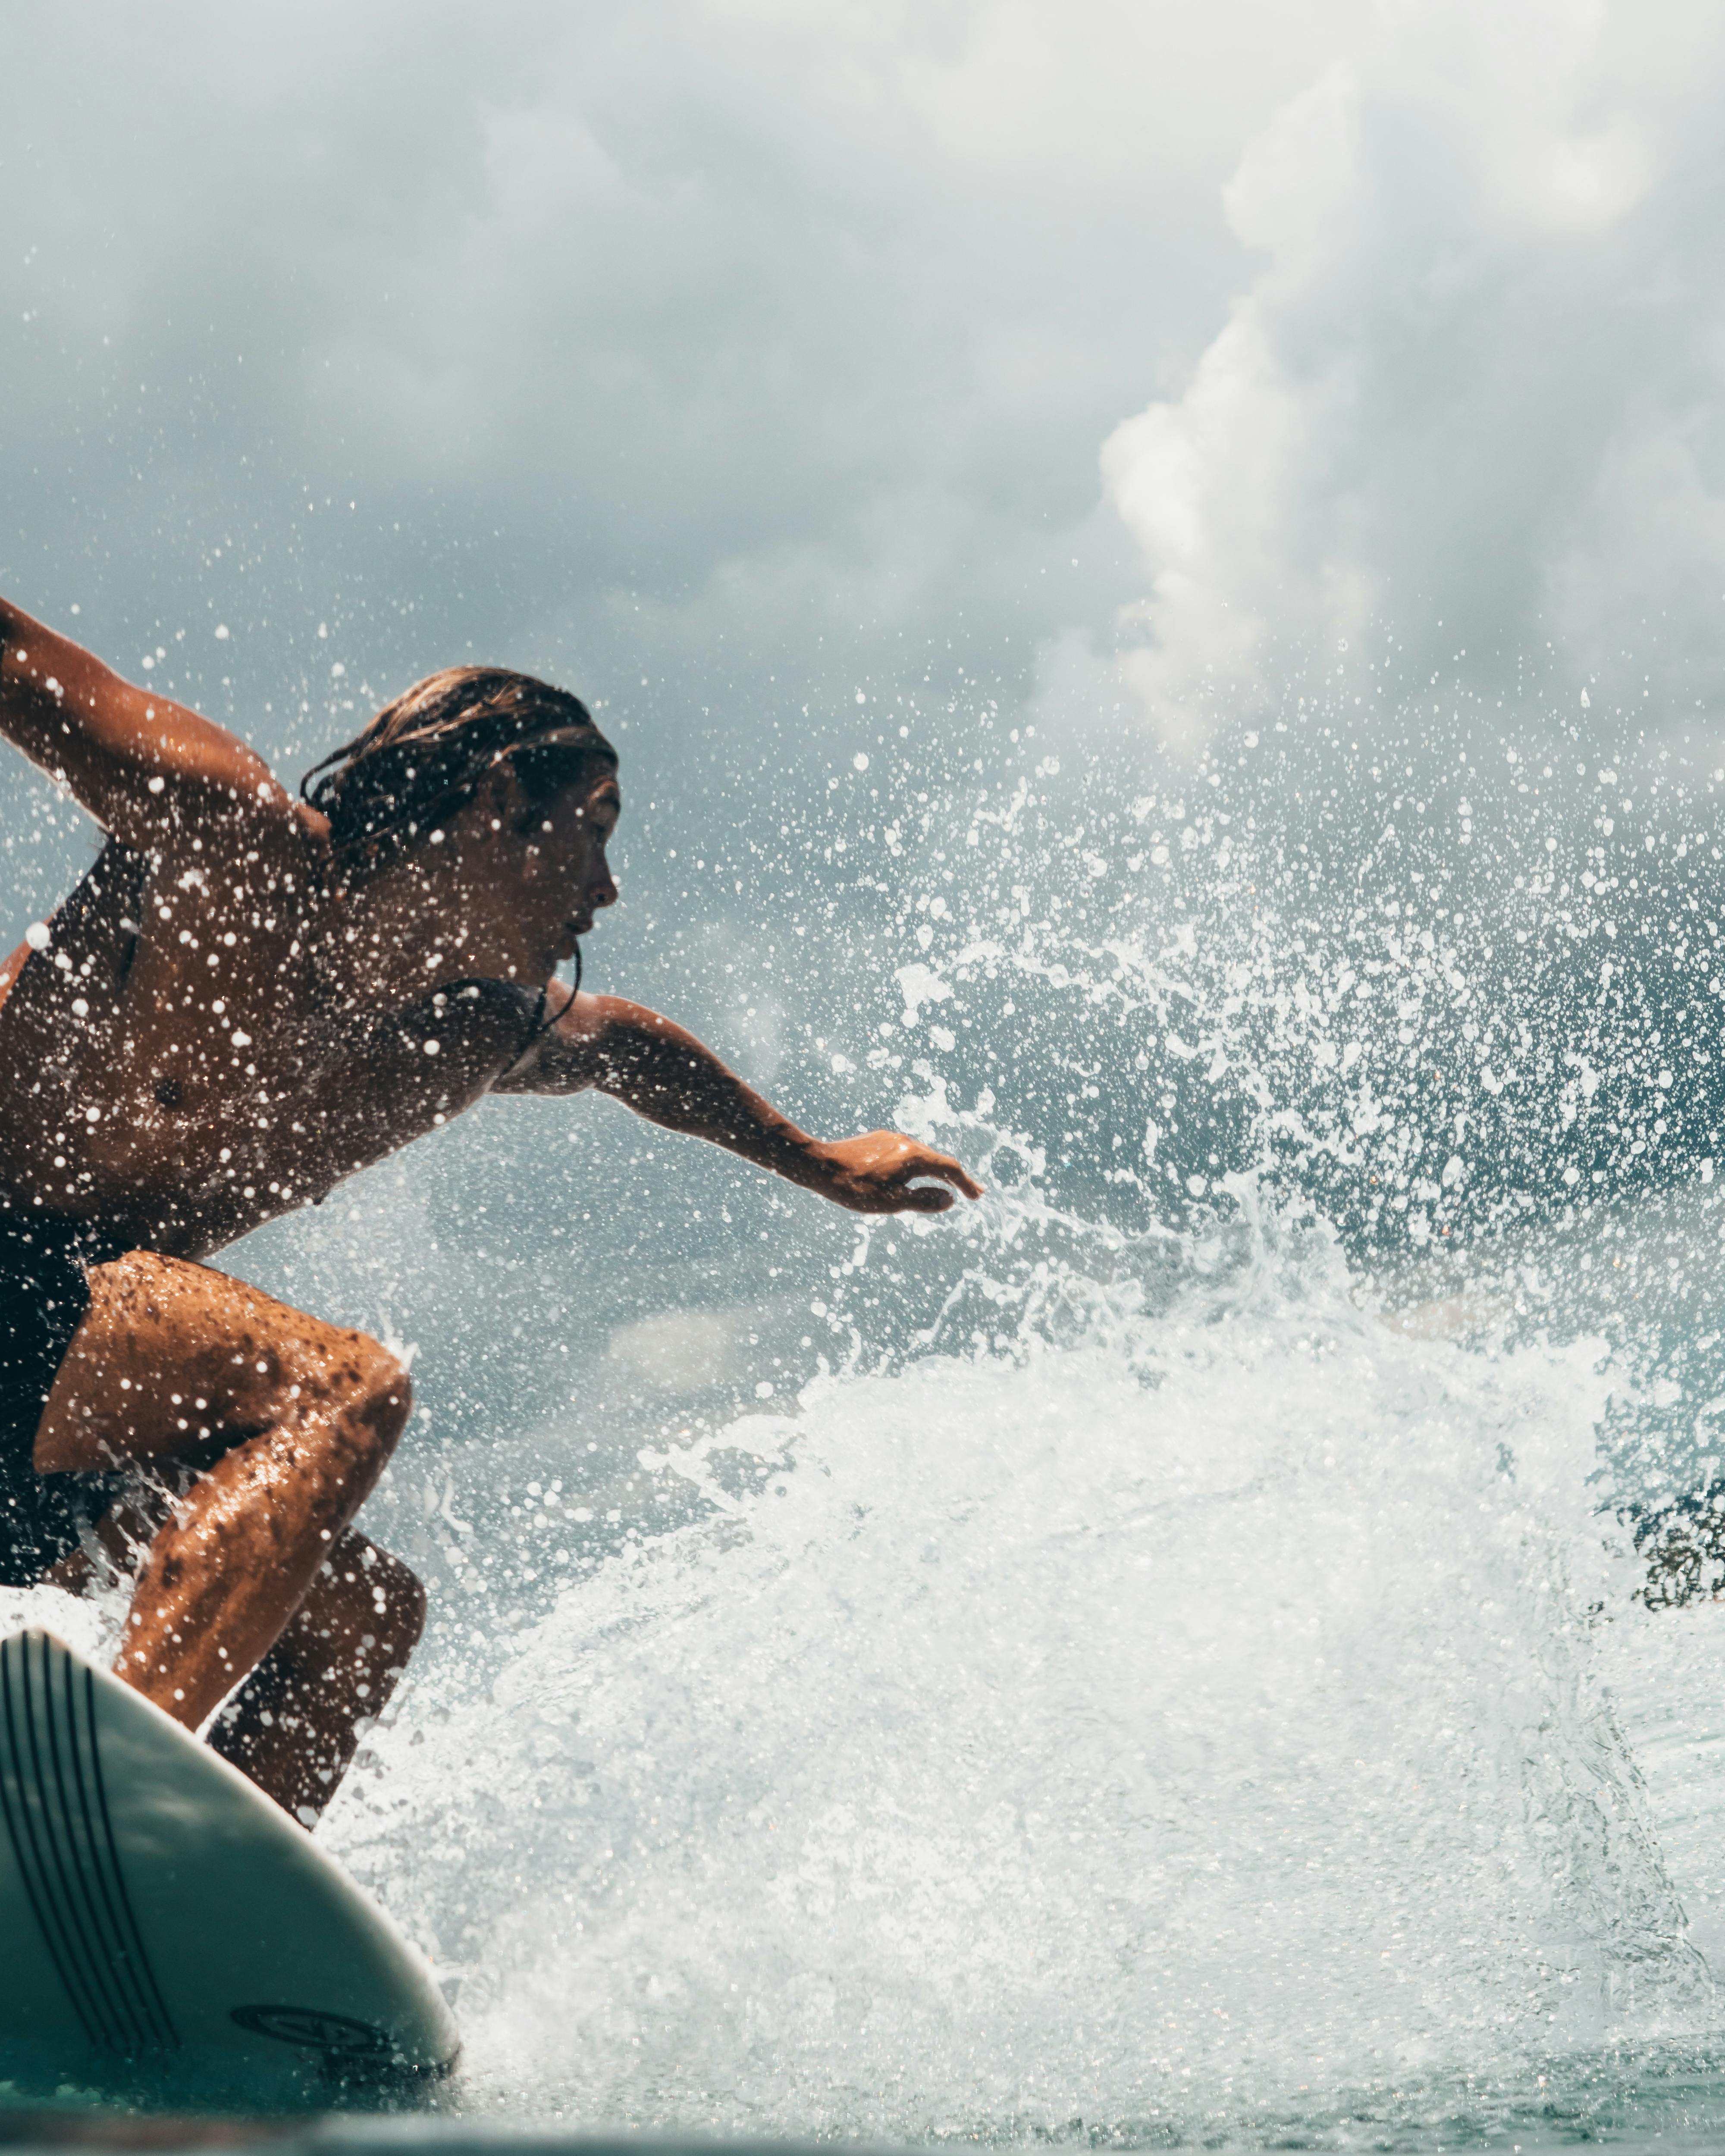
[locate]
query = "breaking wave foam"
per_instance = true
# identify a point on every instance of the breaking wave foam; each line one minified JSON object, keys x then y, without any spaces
{"x":1142,"y":1732}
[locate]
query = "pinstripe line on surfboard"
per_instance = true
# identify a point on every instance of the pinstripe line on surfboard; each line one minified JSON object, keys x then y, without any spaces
{"x":78,"y":1855}
{"x":65,"y":1846}
{"x":56,"y":1839}
{"x":135,"y":1952}
{"x":21,"y":1827}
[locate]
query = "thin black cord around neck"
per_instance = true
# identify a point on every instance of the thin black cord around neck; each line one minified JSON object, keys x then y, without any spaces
{"x":541,"y":1023}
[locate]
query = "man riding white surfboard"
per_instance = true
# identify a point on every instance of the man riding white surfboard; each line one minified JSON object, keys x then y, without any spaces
{"x":248,"y":997}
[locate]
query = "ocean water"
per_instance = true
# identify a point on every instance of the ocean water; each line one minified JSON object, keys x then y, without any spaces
{"x":1166,"y":1655}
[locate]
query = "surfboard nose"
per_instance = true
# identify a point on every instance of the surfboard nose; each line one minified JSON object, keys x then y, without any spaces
{"x":154,"y":1903}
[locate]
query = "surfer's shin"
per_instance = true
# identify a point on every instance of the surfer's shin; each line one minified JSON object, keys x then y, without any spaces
{"x":296,"y":1721}
{"x":242,"y":1549}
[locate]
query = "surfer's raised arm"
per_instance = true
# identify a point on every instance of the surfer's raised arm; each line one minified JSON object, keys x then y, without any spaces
{"x":132,"y":757}
{"x":666,"y":1074}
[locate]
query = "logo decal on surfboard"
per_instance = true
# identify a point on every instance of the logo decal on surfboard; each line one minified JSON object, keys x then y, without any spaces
{"x":339,"y":2036}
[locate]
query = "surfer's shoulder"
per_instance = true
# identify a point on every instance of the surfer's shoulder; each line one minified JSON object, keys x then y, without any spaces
{"x":566,"y":1041}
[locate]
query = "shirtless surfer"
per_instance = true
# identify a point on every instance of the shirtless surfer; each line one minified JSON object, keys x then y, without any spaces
{"x":246,"y":999}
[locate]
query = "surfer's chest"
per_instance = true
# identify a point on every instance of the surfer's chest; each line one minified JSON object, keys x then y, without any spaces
{"x":225,"y":1104}
{"x":269,"y":1101}
{"x":197,"y":1035}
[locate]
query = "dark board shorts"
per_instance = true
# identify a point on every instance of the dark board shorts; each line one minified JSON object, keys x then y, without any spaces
{"x":43,"y":1295}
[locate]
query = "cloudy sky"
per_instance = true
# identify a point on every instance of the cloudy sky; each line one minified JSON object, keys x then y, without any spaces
{"x":717,"y":343}
{"x":1113,"y":353}
{"x":730,"y":360}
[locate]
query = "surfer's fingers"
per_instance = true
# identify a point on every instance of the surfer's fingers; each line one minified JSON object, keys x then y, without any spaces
{"x":925,"y":1198}
{"x":946,"y":1169}
{"x":958,"y":1176}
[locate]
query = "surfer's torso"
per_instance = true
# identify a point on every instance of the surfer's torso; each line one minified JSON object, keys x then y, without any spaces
{"x":191,"y":1051}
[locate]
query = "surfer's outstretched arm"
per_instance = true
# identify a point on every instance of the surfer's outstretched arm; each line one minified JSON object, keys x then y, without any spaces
{"x":666,"y":1074}
{"x":130,"y":756}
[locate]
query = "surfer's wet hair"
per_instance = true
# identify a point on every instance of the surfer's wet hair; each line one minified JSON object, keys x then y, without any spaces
{"x":425,"y":756}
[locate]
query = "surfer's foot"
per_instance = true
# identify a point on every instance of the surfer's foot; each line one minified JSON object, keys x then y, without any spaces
{"x":295,"y":1722}
{"x":172,"y":1359}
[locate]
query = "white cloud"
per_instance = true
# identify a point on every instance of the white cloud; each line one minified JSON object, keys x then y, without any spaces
{"x":724,"y":339}
{"x":1470,"y":396}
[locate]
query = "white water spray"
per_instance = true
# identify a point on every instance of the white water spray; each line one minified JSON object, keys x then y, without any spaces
{"x":1144,"y":1730}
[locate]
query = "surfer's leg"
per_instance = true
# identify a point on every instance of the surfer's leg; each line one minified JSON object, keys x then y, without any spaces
{"x":297,"y":1721}
{"x":171,"y":1359}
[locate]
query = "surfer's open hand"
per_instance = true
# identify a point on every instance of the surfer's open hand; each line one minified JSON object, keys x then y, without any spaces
{"x":880,"y":1173}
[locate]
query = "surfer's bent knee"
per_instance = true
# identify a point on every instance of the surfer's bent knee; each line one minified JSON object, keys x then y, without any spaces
{"x":157,"y":1327}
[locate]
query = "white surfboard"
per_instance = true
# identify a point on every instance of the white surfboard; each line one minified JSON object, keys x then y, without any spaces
{"x":157,"y":1908}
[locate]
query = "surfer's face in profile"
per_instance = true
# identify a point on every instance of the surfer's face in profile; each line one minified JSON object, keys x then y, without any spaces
{"x":529,"y":868}
{"x":565,"y":854}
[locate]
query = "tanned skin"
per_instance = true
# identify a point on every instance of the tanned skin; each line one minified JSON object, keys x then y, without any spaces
{"x":251,"y":1034}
